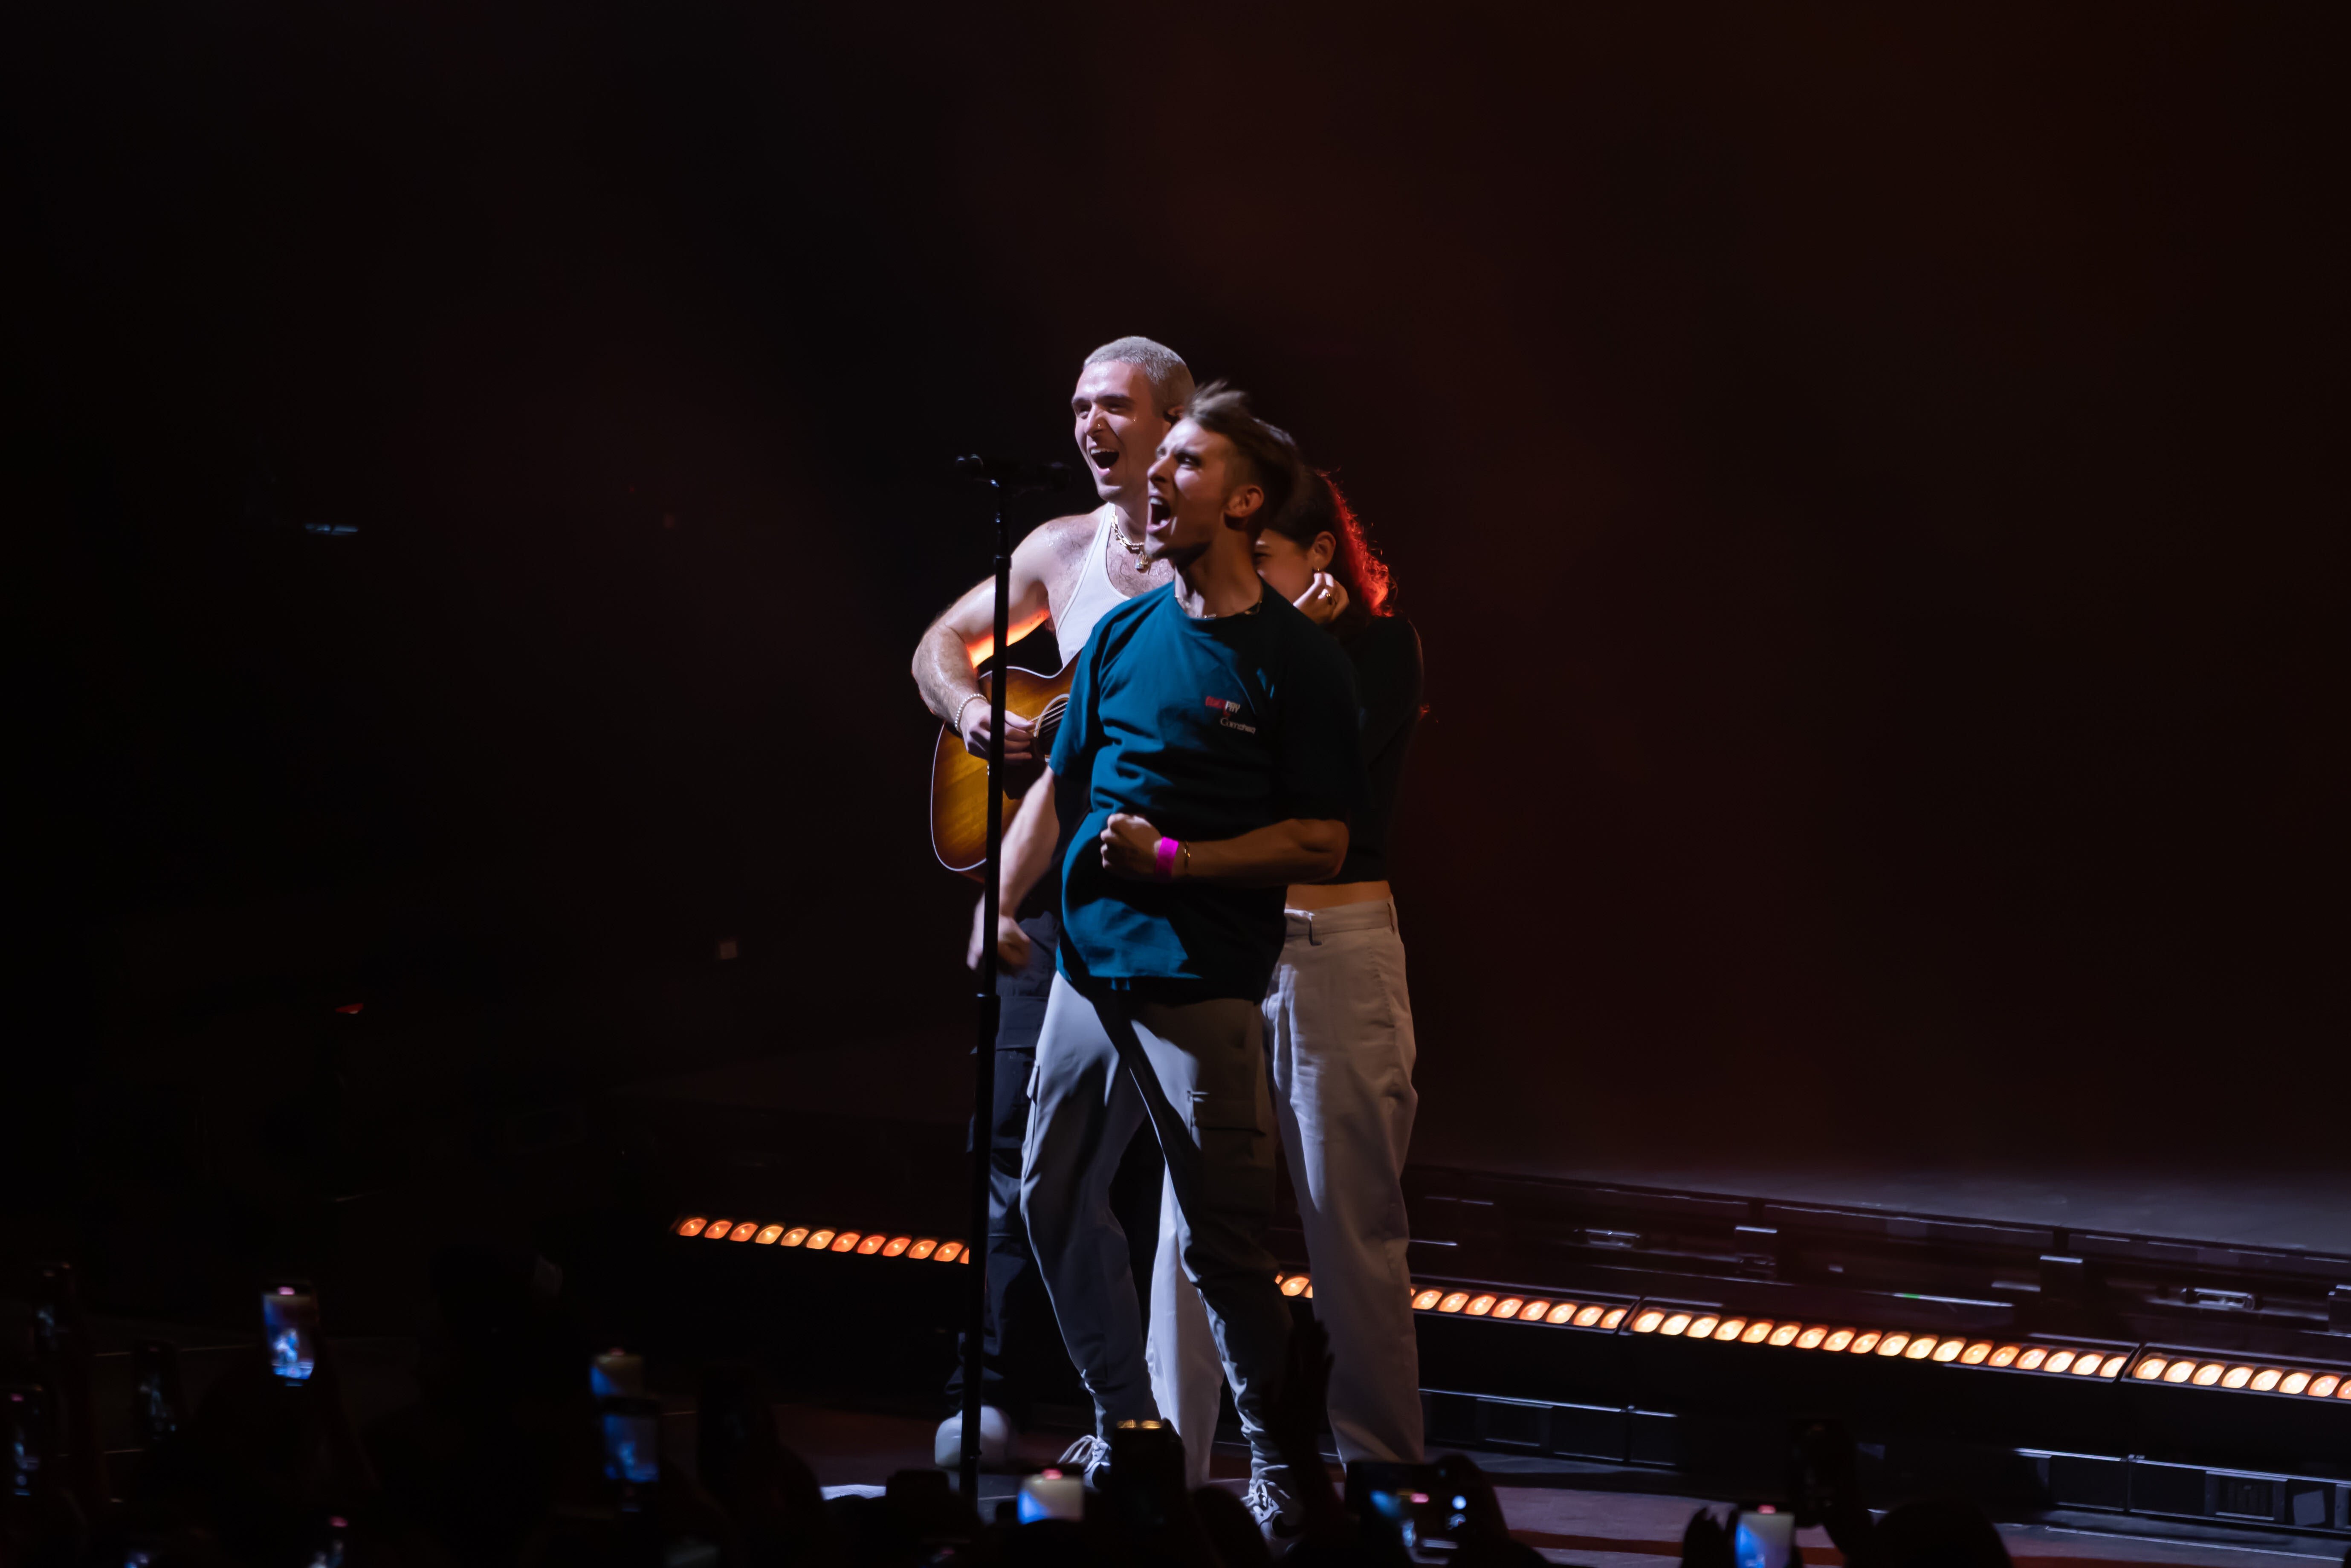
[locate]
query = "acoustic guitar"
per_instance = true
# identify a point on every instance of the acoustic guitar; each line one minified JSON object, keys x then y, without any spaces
{"x":959,"y":780}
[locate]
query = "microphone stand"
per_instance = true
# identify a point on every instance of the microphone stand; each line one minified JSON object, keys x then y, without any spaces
{"x":985,"y":1016}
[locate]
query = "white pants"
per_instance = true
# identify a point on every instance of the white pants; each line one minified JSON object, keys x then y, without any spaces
{"x":1339,"y":1042}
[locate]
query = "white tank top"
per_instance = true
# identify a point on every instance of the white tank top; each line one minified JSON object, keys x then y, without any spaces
{"x":1093,"y":596}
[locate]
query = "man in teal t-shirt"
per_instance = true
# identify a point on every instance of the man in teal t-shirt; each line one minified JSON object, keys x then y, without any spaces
{"x":1207,"y":760}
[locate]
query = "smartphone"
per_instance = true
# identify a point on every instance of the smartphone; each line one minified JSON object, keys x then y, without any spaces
{"x":1763,"y":1536}
{"x":155,"y":1404}
{"x":290,"y":1329}
{"x":1049,"y":1494}
{"x":632,"y":1442}
{"x":26,"y":1439}
{"x":1415,"y":1500}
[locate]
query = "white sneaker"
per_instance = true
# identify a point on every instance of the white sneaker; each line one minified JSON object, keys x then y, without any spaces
{"x":1090,"y":1456}
{"x":995,"y":1440}
{"x":1274,"y":1506}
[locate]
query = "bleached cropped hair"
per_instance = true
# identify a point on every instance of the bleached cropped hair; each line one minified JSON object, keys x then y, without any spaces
{"x":1170,"y":378}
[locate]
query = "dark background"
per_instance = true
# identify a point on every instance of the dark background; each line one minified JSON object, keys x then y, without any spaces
{"x":1868,"y":486}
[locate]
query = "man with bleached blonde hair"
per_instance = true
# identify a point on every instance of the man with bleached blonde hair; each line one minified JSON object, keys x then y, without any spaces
{"x":1068,"y":573}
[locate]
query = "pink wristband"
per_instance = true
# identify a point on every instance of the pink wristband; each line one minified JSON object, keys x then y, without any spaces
{"x":1165,"y":855}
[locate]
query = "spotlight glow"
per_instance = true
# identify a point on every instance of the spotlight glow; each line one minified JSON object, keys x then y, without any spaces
{"x":1838,"y":1340}
{"x":2004,"y":1356}
{"x":1730,"y":1330}
{"x":1703,"y":1327}
{"x":1674,"y":1325}
{"x":2149,"y":1368}
{"x":922,"y":1247}
{"x":1294,"y":1286}
{"x":1758,"y":1332}
{"x":1894,"y":1344}
{"x":1426,"y":1299}
{"x":690,"y":1226}
{"x":896,"y":1245}
{"x":1478,"y":1306}
{"x":2180,"y":1371}
{"x":1976,"y":1354}
{"x":1454,"y":1302}
{"x":1568,"y":1312}
{"x":767,"y":1235}
{"x":2294,"y":1383}
{"x":1507,"y":1307}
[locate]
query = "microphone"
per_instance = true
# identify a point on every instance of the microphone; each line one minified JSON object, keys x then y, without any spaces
{"x":1012,"y":474}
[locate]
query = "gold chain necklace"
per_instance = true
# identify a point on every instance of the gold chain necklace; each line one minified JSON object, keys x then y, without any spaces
{"x":1118,"y":533}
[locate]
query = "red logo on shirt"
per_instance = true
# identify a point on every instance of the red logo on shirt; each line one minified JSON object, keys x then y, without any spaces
{"x":1224,"y":705}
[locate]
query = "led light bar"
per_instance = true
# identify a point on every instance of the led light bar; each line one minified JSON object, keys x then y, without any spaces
{"x":1554,"y":1311}
{"x":863,"y":1243}
{"x":2055,"y":1359}
{"x":2198,"y":1369}
{"x":1295,"y":1285}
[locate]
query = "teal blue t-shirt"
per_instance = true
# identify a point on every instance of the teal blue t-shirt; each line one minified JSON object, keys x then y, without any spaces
{"x":1207,"y":729}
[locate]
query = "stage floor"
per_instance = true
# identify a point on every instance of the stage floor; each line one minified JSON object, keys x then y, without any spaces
{"x":919,"y":1082}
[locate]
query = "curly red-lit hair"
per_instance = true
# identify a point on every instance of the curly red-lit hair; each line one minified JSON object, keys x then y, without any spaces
{"x":1320,"y":507}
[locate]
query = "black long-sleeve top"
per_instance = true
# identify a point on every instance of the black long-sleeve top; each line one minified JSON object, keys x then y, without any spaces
{"x":1387,"y":656}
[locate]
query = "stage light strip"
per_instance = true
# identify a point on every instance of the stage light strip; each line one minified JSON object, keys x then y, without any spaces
{"x":1602,"y":1316}
{"x":2195,"y":1371}
{"x":2058,"y":1360}
{"x":863,"y":1243}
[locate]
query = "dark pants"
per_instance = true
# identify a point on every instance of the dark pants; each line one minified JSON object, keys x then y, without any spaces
{"x":1022,"y":1354}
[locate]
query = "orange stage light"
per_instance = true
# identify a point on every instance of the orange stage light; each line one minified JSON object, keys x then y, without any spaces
{"x":2180,"y":1371}
{"x":1730,"y":1330}
{"x":873,"y":1242}
{"x":1533,"y":1310}
{"x":767,"y":1237}
{"x":1478,"y":1306}
{"x":1647,"y":1322}
{"x":896,"y":1245}
{"x":1863,"y":1343}
{"x":2208,"y":1375}
{"x":1426,"y":1299}
{"x":1948,"y":1350}
{"x":1977,"y":1354}
{"x":690,"y":1226}
{"x":2004,"y":1356}
{"x":1893,"y":1343}
{"x":846,"y":1241}
{"x":2149,"y":1368}
{"x":1294,"y":1286}
{"x":2032,"y":1359}
{"x":2320,"y":1387}
{"x":2266,"y":1379}
{"x":794,"y":1236}
{"x":1587,"y":1317}
{"x":1703,"y":1327}
{"x":1758,"y":1332}
{"x":922,"y":1247}
{"x":1454,"y":1302}
{"x":1615,"y":1316}
{"x":1838,"y":1340}
{"x":1566,"y":1312}
{"x":1507,"y":1307}
{"x":2294,"y":1383}
{"x":2236,"y":1377}
{"x":1786,"y":1334}
{"x":819,"y":1240}
{"x":948,"y":1251}
{"x":718,"y":1230}
{"x":1674,"y":1325}
{"x":1920,"y":1348}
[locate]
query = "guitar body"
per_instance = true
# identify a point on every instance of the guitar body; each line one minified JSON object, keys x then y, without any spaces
{"x":959,"y":780}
